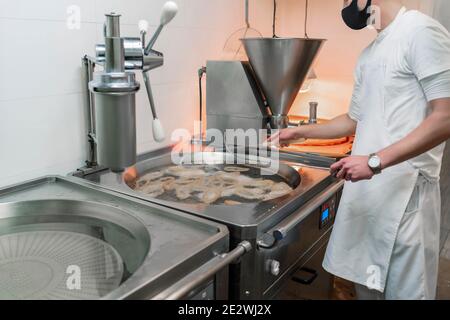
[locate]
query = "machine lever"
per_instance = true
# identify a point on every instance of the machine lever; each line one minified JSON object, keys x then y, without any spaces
{"x":169,"y":12}
{"x":158,"y":130}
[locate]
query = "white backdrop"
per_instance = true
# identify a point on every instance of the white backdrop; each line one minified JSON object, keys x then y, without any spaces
{"x":439,"y":9}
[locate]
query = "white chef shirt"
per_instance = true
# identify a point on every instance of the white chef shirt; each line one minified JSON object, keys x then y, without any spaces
{"x":436,"y":86}
{"x":415,"y":55}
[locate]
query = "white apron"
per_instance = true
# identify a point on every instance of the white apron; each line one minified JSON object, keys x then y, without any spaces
{"x":414,"y":263}
{"x":361,"y":248}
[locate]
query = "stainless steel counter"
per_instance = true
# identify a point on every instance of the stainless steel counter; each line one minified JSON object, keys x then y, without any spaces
{"x":169,"y":246}
{"x":285,"y":233}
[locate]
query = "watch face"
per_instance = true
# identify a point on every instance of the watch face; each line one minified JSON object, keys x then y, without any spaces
{"x":374,"y":162}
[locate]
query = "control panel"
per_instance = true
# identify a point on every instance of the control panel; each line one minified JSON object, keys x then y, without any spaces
{"x":328,"y":212}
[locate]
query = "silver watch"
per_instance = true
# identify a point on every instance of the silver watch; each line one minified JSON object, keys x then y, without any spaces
{"x":375,"y":163}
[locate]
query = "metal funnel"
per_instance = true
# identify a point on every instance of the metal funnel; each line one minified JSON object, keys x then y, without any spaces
{"x":281,"y":66}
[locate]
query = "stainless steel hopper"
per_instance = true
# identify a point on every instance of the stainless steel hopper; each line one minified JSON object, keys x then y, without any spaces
{"x":281,"y":66}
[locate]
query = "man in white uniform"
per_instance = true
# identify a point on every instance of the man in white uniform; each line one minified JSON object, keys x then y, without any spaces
{"x":386,"y":234}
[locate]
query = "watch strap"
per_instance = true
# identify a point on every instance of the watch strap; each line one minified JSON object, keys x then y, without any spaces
{"x":376,"y":170}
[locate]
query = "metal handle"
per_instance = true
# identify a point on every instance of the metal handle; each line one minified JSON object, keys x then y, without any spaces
{"x":183,"y":287}
{"x":313,"y":276}
{"x":322,"y":160}
{"x":152,"y":41}
{"x":169,"y":12}
{"x":157,"y":128}
{"x":150,"y":94}
{"x":280,"y":231}
{"x":88,"y":65}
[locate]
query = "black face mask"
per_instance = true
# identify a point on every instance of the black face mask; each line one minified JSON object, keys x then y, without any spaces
{"x":354,"y":18}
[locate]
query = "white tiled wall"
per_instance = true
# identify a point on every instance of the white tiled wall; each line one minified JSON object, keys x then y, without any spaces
{"x":42,"y":117}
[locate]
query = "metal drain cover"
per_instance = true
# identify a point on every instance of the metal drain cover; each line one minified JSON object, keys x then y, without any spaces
{"x":57,"y":265}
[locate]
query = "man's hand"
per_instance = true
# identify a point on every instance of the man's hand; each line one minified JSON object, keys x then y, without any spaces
{"x":286,"y":136}
{"x":354,"y":169}
{"x":339,"y":127}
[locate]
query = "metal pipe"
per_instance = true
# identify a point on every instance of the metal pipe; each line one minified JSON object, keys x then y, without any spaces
{"x":313,"y":112}
{"x":88,"y":66}
{"x":201,"y":72}
{"x":87,"y":79}
{"x":247,"y":20}
{"x":319,"y":160}
{"x":153,"y":39}
{"x":132,"y":47}
{"x":169,"y":12}
{"x":91,"y":67}
{"x":115,"y":57}
{"x":143,"y":35}
{"x":183,"y":287}
{"x":112,"y":25}
{"x":114,"y":45}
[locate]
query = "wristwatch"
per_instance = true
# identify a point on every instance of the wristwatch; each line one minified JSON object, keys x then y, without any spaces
{"x":375,"y":163}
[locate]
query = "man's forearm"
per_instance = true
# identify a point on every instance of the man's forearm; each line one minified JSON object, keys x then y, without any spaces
{"x":342,"y":126}
{"x":431,"y":133}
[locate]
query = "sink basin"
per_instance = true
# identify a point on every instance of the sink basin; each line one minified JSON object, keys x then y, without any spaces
{"x":64,"y":249}
{"x":63,"y":238}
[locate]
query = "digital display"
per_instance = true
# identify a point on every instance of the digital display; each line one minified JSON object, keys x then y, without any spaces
{"x":325,"y":214}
